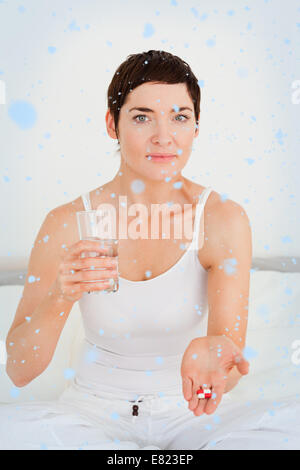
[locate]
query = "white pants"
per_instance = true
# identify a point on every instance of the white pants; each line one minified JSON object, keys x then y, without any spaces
{"x":83,"y":421}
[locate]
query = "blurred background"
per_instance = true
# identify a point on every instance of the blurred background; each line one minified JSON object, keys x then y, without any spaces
{"x":57,"y":59}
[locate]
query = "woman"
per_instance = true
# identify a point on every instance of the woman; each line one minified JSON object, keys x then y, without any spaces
{"x":178,"y":321}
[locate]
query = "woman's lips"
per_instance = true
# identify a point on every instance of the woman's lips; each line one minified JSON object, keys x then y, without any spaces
{"x":160,"y":157}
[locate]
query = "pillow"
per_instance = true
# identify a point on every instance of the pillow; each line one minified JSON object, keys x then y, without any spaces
{"x":51,"y":383}
{"x":273,"y":320}
{"x":12,"y":277}
{"x":274,"y":300}
{"x":273,"y":336}
{"x":274,"y":365}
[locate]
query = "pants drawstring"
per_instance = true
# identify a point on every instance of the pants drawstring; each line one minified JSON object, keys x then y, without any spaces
{"x":135,"y":407}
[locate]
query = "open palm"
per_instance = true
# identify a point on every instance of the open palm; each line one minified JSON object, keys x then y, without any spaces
{"x":207,"y":361}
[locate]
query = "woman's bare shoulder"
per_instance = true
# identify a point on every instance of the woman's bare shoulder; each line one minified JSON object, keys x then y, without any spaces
{"x":62,"y":221}
{"x":67,"y":212}
{"x":69,"y":209}
{"x":197,"y":189}
{"x":215,"y":200}
{"x":217,"y":210}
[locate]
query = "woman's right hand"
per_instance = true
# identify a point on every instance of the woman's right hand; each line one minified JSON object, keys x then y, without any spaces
{"x":74,"y":270}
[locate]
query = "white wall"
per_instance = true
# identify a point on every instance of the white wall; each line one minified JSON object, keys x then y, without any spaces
{"x":246,"y":55}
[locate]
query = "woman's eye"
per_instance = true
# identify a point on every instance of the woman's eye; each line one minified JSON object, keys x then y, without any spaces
{"x":140,"y":115}
{"x":178,"y":115}
{"x":186,"y":117}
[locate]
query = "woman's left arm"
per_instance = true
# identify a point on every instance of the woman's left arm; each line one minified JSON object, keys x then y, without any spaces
{"x":229,"y":275}
{"x":229,"y":241}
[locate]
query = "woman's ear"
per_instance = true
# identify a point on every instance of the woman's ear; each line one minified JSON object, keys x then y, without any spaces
{"x":110,"y":125}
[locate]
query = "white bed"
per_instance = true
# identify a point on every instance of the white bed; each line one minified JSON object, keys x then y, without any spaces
{"x":273,"y":338}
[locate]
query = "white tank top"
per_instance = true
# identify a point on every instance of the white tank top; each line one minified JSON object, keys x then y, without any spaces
{"x":135,"y":337}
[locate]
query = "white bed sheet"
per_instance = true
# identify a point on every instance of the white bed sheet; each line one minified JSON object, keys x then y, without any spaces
{"x":79,"y":422}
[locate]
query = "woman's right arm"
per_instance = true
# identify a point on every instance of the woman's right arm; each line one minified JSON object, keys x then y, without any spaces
{"x":30,"y":346}
{"x":46,"y":303}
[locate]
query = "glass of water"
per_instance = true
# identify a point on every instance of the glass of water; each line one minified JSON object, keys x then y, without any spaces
{"x":90,"y":227}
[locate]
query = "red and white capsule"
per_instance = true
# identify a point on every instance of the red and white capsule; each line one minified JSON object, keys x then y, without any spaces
{"x":202,"y":394}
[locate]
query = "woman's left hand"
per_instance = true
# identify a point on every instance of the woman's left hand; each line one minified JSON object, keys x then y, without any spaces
{"x":206,"y":362}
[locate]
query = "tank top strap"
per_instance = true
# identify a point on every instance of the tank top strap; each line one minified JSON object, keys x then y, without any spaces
{"x":199,"y":210}
{"x":86,"y":201}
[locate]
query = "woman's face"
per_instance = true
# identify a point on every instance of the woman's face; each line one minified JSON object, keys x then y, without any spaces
{"x":165,"y":129}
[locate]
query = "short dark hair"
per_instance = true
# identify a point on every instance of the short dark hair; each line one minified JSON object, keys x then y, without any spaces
{"x":151,"y":66}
